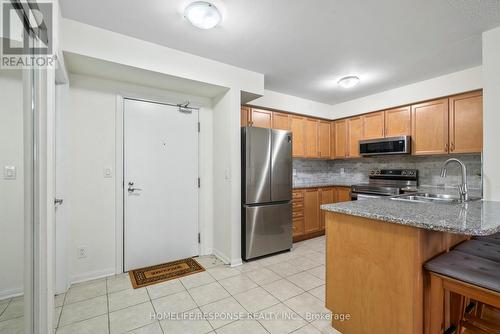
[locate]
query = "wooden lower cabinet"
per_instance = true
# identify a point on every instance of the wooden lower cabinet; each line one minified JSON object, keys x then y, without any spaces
{"x":343,"y":194}
{"x":311,"y":211}
{"x":298,"y":213}
{"x":307,"y":217}
{"x":326,"y":196}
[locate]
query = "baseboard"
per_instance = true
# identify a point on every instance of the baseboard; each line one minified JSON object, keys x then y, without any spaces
{"x":221,"y":256}
{"x":236,"y":263}
{"x":5,"y":294}
{"x":308,"y":236}
{"x":92,"y":275}
{"x":208,"y":251}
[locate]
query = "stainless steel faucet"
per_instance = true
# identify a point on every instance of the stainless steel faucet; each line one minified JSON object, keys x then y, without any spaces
{"x":462,"y":189}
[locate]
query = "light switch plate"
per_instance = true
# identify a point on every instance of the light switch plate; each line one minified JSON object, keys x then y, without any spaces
{"x":9,"y":172}
{"x":108,"y":172}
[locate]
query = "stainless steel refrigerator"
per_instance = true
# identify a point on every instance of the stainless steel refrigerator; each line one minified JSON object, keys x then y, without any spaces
{"x":266,"y":176}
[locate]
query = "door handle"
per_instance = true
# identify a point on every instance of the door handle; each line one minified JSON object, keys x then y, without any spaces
{"x":131,"y":188}
{"x":58,"y":201}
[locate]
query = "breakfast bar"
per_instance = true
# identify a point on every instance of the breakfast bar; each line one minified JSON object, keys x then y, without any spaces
{"x":375,"y":251}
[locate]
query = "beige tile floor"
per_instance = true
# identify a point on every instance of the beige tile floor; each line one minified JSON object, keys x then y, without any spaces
{"x":289,"y":285}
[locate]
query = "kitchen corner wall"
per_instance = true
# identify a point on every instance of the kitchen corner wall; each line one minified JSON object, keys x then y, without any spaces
{"x":307,"y":171}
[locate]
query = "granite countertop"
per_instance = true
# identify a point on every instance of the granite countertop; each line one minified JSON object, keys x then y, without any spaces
{"x":320,"y":184}
{"x":475,"y":218}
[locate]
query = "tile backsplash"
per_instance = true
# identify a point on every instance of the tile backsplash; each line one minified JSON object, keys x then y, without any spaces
{"x":356,"y":170}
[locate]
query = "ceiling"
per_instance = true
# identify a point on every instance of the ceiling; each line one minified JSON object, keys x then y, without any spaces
{"x":304,"y":46}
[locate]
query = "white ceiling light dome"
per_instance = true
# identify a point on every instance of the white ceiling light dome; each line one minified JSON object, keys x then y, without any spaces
{"x":349,"y":81}
{"x":203,"y":14}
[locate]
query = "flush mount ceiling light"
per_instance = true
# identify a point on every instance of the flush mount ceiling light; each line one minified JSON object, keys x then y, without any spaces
{"x":202,"y":14}
{"x":349,"y":81}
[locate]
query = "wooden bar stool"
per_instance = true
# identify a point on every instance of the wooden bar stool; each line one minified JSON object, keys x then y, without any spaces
{"x":470,"y":276}
{"x":495,"y":238}
{"x":482,"y":247}
{"x":488,"y":248}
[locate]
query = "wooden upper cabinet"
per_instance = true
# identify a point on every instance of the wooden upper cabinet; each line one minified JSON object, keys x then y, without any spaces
{"x":430,"y":127}
{"x":326,"y":196}
{"x":311,"y":210}
{"x":398,"y":122}
{"x":297,"y":125}
{"x":281,"y":121}
{"x":332,"y":140}
{"x":340,"y":139}
{"x":262,"y":118}
{"x":466,"y":123}
{"x":342,"y":194}
{"x":373,"y":125}
{"x":324,"y":139}
{"x":245,"y":113}
{"x":354,"y":135}
{"x":311,"y":138}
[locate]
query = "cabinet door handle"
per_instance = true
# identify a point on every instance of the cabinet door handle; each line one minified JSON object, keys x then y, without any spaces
{"x":452,"y":148}
{"x":446,"y":147}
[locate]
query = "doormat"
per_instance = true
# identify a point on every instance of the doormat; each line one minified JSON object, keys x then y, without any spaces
{"x":164,"y":272}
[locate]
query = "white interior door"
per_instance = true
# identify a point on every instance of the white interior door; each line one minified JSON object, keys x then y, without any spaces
{"x":160,"y":184}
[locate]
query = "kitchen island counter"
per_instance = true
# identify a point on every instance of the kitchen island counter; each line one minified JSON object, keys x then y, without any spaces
{"x":375,"y":251}
{"x":475,"y":218}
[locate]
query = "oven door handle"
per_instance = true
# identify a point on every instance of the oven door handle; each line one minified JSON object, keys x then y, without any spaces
{"x":364,"y":196}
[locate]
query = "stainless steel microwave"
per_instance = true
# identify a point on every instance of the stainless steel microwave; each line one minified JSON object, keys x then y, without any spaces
{"x":383,"y":146}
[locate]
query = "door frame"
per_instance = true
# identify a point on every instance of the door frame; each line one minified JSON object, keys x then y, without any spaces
{"x":119,"y":176}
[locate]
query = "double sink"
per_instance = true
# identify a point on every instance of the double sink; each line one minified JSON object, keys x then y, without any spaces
{"x":432,"y":198}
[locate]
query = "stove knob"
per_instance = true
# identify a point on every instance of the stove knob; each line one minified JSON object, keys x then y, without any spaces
{"x":372,"y":172}
{"x":412,"y":173}
{"x":377,"y":172}
{"x":404,"y":173}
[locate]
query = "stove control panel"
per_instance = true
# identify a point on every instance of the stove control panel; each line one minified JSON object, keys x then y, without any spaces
{"x":394,"y":173}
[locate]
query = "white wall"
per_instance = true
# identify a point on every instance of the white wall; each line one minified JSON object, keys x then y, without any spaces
{"x":90,"y":197}
{"x":227,"y":177}
{"x":103,"y":44}
{"x":491,"y":114}
{"x":11,"y":191}
{"x":279,"y":101}
{"x":449,"y":84}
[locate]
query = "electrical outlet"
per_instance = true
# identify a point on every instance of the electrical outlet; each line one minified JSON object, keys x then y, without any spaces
{"x":82,"y":252}
{"x":108,"y":172}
